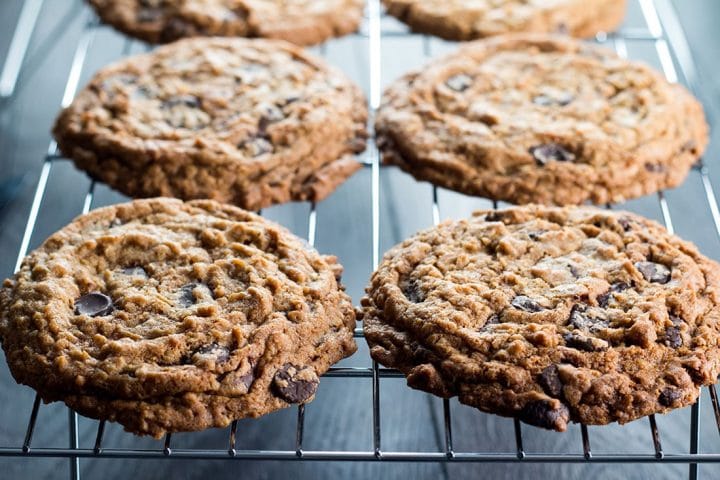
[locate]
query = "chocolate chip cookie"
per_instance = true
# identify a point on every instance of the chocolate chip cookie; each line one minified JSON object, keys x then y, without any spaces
{"x":248,"y":122}
{"x":304,"y":22}
{"x":549,"y":314}
{"x":541,"y":119}
{"x":168,"y":316}
{"x":463,"y":20}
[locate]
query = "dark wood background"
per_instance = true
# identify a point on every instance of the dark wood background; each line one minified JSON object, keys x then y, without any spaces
{"x":341,"y":416}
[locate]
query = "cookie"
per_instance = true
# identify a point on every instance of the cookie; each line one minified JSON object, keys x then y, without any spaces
{"x":549,"y":314}
{"x":248,"y":122}
{"x":541,"y":119}
{"x":168,"y":316}
{"x":303,"y":22}
{"x":463,"y":20}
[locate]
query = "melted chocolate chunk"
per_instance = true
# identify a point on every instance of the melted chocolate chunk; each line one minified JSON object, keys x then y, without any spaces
{"x":541,"y":414}
{"x":535,"y":236}
{"x":669,"y":397}
{"x":526,"y":304}
{"x":459,"y":83}
{"x":580,"y":320}
{"x":625,"y":223}
{"x":271,"y":114}
{"x":186,"y":297}
{"x":248,"y":379}
{"x":574,"y":271}
{"x":421,"y":354}
{"x":551,"y":152}
{"x":690,"y":146}
{"x":413,"y":292}
{"x":654,"y":272}
{"x":495,"y":217}
{"x":604,"y":299}
{"x":215,"y":352}
{"x":550,"y":381}
{"x":291,"y":99}
{"x":586,"y":344}
{"x":94,"y":304}
{"x":673,"y":339}
{"x":295,"y":384}
{"x":492,"y":320}
{"x":654,"y":168}
{"x":182,"y":100}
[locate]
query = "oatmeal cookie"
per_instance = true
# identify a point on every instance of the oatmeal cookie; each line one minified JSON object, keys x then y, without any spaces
{"x":541,"y":119}
{"x":169,"y":316}
{"x":248,"y":122}
{"x":549,"y":314}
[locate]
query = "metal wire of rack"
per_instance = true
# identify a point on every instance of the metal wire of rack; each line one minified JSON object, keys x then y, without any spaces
{"x":663,"y":31}
{"x":18,"y":46}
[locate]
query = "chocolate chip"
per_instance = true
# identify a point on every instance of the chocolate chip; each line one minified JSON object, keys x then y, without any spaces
{"x":586,"y":344}
{"x":669,"y":397}
{"x":549,"y":380}
{"x":654,"y":168}
{"x":551,"y":152}
{"x":413,"y":292}
{"x":580,"y":319}
{"x":94,"y":304}
{"x":256,"y":146}
{"x":291,"y":99}
{"x":459,"y":83}
{"x":604,"y":299}
{"x":625,"y":223}
{"x":673,"y":339}
{"x":574,"y":271}
{"x":421,"y":354}
{"x":270,"y":114}
{"x":535,"y":236}
{"x":542,"y":414}
{"x":494,"y":217}
{"x":690,"y":146}
{"x":135,"y":272}
{"x":182,"y":100}
{"x":187,"y":298}
{"x":526,"y":304}
{"x":295,"y":384}
{"x":492,"y":320}
{"x":654,"y":272}
{"x":248,"y":379}
{"x":547,"y":101}
{"x":214,"y":352}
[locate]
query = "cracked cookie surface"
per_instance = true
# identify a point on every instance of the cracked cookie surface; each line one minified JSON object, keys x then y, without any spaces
{"x":303,"y":22}
{"x":541,"y":119}
{"x":170,"y":316}
{"x":248,"y":122}
{"x":469,"y":20}
{"x":549,"y":314}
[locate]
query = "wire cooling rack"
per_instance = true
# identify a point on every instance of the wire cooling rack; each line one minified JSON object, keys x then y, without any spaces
{"x":663,"y":32}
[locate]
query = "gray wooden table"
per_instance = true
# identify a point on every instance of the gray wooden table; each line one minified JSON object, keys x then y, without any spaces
{"x":341,"y":418}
